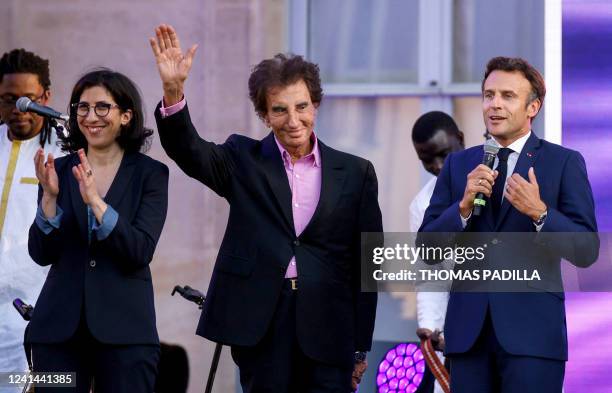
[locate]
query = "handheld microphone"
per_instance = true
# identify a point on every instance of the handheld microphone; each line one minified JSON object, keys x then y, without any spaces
{"x":25,"y":310}
{"x":24,"y":104}
{"x":490,"y":152}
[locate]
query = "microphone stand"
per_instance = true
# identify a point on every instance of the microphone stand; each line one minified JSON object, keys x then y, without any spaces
{"x":59,"y":129}
{"x":25,"y":310}
{"x":195,"y":296}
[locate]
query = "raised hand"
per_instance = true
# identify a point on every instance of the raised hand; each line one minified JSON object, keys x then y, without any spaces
{"x":46,"y":174}
{"x":173,"y":66}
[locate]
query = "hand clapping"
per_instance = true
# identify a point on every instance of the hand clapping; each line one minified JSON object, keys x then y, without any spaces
{"x":86,"y":179}
{"x":46,"y":174}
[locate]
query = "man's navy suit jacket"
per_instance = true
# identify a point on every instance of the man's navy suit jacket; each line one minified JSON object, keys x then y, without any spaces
{"x":531,"y":324}
{"x":334,"y":318}
{"x":109,"y":280}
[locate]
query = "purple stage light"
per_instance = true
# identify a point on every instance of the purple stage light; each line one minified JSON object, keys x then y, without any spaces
{"x":401,"y":370}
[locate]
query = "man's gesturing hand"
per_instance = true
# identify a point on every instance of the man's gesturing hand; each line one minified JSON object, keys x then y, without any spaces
{"x":525,"y":195}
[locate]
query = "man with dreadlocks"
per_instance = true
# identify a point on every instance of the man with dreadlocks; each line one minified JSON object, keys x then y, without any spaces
{"x":22,"y":73}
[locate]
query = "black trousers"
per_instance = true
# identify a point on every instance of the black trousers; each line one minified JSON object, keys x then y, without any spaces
{"x":108,"y":368}
{"x":488,"y":368}
{"x":277,"y":363}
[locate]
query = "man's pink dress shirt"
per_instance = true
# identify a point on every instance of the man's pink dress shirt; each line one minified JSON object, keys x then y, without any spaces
{"x":304,"y":181}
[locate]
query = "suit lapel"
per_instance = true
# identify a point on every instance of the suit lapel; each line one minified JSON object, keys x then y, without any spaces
{"x":332,"y":182}
{"x":276,"y":175}
{"x":78,"y":206}
{"x":118,"y":188}
{"x":121,"y":182}
{"x":527,"y":159}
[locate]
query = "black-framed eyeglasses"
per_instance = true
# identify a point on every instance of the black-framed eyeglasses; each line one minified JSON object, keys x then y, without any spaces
{"x":101,"y":109}
{"x":10,"y":100}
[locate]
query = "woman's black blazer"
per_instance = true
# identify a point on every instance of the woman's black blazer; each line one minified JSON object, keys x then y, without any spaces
{"x":107,"y":282}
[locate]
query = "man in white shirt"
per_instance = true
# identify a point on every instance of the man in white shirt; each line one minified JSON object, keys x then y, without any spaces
{"x":435,"y":135}
{"x":22,"y":73}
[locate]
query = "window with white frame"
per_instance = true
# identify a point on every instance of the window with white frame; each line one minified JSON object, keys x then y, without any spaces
{"x":385,"y":62}
{"x":357,"y":41}
{"x":413,"y":47}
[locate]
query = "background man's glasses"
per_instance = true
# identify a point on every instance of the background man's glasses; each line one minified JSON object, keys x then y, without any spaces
{"x":9,"y":100}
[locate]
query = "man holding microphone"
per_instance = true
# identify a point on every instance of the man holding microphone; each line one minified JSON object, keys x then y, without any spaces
{"x":502,"y":341}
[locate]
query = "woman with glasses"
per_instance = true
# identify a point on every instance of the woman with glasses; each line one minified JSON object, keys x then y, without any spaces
{"x":101,"y":212}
